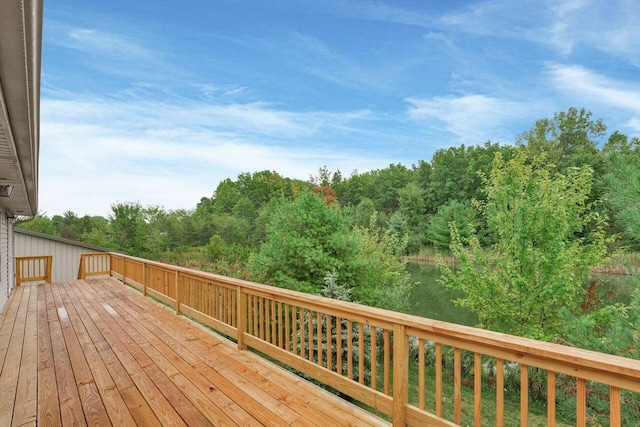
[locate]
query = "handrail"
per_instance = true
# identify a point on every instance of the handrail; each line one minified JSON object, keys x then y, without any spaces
{"x":33,"y":269}
{"x":366,"y":352}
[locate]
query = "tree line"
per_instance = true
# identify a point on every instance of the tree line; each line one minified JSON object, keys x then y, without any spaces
{"x":534,"y":216}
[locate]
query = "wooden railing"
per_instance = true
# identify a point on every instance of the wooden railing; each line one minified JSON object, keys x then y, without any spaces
{"x":375,"y":356}
{"x":95,"y":264}
{"x":33,"y":269}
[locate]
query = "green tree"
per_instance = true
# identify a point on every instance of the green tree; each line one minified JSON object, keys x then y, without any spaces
{"x":309,"y":239}
{"x":455,"y":173}
{"x":462,"y":214}
{"x":306,"y":240}
{"x":622,"y":186}
{"x":39,"y":223}
{"x":569,"y":139}
{"x":542,"y":253}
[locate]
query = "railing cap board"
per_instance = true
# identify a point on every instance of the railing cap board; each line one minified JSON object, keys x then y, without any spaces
{"x":518,"y":345}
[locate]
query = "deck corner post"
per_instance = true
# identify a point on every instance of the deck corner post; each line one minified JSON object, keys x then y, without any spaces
{"x":400,"y":374}
{"x":242,"y":318}
{"x":49,"y":259}
{"x":178,"y":312}
{"x":144,"y":278}
{"x":81,"y":268}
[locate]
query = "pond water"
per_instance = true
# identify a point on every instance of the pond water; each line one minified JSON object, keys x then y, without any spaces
{"x":432,"y":300}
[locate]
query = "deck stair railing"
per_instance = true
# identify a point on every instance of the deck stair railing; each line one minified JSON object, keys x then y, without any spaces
{"x":33,"y":269}
{"x":375,"y":356}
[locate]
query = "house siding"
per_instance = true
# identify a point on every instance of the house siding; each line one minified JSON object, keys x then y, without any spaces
{"x":5,"y":257}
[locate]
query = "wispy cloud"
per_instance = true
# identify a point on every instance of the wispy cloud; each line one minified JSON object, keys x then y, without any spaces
{"x":603,"y":25}
{"x":100,"y":43}
{"x":174,"y":154}
{"x":471,"y":119}
{"x":595,"y":89}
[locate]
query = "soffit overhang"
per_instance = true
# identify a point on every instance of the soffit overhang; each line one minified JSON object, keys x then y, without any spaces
{"x":20,"y":59}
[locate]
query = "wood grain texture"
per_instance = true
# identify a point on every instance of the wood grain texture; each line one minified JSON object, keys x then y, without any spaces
{"x":95,"y":352}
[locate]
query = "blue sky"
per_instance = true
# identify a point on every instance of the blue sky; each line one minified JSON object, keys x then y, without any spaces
{"x":157,"y":101}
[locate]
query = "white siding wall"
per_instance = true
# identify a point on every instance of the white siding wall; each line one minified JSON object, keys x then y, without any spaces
{"x":5,"y":258}
{"x":66,"y":257}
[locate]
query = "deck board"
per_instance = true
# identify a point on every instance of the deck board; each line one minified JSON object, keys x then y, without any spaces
{"x":96,"y":352}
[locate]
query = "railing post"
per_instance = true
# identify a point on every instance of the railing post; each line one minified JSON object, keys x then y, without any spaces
{"x":144,"y":278}
{"x":124,"y":271}
{"x":49,"y":260}
{"x":18,"y":272}
{"x":242,"y":318}
{"x":400,"y":374}
{"x":81,"y":268}
{"x":178,"y":293}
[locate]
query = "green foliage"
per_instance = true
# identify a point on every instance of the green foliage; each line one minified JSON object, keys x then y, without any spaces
{"x":622,"y":187}
{"x":363,"y":213}
{"x":454,"y":173}
{"x":462,"y":214}
{"x":542,"y":251}
{"x":380,"y":278}
{"x":306,"y":239}
{"x":39,"y":223}
{"x":569,"y":140}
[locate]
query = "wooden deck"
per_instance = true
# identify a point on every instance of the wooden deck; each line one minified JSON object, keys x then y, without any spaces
{"x":96,"y":352}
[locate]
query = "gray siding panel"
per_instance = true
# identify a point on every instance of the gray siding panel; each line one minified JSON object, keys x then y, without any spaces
{"x":5,"y":259}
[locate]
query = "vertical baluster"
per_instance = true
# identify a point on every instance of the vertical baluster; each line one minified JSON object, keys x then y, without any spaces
{"x":524,"y":395}
{"x":551,"y":398}
{"x":310,"y":338}
{"x":254,"y":308}
{"x":360,"y":353}
{"x":287,"y":326}
{"x":268,"y":320}
{"x":421,"y":373}
{"x":614,"y":406}
{"x":302,"y":332}
{"x":349,"y":349}
{"x":262,"y":318}
{"x":280,"y":325}
{"x":386,"y":361}
{"x":374,"y":358}
{"x":581,"y":403}
{"x":457,"y":386}
{"x":339,"y":345}
{"x":294,"y":332}
{"x":499,"y":393}
{"x":329,"y":335}
{"x":319,"y":335}
{"x":439,"y":379}
{"x":477,"y":388}
{"x":274,"y":323}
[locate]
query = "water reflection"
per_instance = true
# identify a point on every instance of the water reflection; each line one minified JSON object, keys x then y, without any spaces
{"x":432,"y":300}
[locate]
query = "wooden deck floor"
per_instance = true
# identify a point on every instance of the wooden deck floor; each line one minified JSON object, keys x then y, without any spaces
{"x":97,"y":353}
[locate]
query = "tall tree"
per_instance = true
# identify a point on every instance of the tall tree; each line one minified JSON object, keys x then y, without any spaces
{"x":569,"y":139}
{"x":543,"y":250}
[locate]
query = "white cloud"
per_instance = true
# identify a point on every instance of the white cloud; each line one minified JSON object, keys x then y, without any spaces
{"x":96,"y":42}
{"x":608,"y":26}
{"x":595,"y":89}
{"x":96,"y":151}
{"x":472,"y":119}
